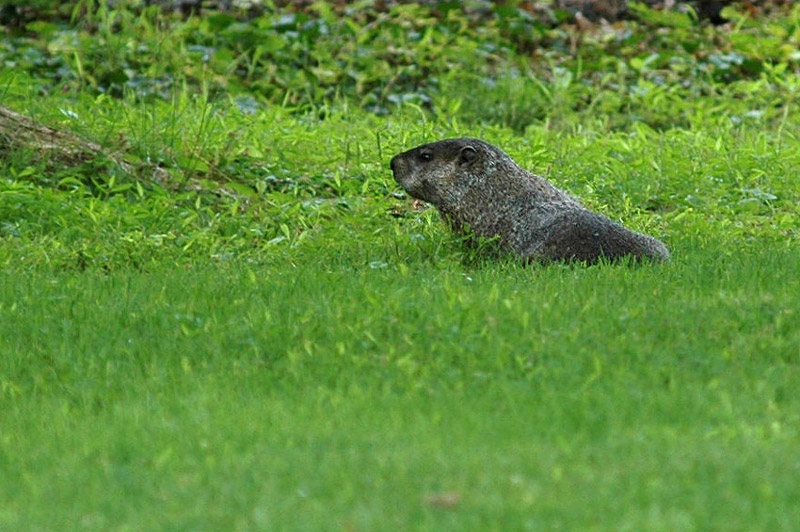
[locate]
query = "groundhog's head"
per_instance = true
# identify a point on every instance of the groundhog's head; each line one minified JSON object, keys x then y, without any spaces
{"x":441,"y":171}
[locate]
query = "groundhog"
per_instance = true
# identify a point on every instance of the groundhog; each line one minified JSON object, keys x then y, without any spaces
{"x":478,"y":188}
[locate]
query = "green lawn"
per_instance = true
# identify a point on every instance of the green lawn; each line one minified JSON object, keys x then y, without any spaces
{"x":273,"y":337}
{"x":263,"y":398}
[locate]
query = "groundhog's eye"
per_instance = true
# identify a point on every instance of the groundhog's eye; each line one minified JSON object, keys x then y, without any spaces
{"x":425,"y":156}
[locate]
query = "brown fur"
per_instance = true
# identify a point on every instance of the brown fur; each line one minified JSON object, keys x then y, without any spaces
{"x":477,"y":186}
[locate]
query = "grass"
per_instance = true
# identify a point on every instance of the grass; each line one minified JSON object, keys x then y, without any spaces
{"x":276,"y":339}
{"x":256,"y":398}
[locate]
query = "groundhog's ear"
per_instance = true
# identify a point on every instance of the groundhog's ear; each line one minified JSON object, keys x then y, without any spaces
{"x":467,"y":155}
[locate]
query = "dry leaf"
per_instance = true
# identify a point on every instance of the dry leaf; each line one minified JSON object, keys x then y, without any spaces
{"x":445,"y":499}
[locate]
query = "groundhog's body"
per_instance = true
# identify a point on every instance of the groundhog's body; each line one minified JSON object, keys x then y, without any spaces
{"x":476,"y":185}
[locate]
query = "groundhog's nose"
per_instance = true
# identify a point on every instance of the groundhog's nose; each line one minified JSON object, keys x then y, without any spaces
{"x":392,"y":163}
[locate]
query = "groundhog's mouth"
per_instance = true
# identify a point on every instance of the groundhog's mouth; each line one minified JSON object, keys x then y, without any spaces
{"x":399,"y":173}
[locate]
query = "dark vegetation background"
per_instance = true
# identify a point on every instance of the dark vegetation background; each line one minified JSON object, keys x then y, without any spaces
{"x":381,"y":54}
